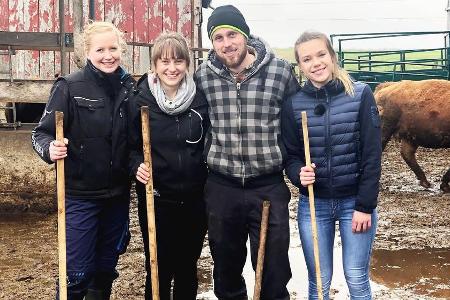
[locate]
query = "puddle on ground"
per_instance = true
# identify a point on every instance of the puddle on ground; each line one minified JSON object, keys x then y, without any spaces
{"x":426,"y":272}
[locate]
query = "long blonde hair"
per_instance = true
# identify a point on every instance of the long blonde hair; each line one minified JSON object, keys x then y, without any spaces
{"x":337,"y":73}
{"x":101,"y":27}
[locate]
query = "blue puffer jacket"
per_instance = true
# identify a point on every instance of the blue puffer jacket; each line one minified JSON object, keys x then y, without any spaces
{"x":345,"y":141}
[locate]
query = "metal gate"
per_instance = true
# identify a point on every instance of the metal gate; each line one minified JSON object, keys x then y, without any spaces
{"x":374,"y":67}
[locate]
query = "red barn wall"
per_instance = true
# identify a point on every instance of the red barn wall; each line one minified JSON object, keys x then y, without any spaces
{"x":141,"y":21}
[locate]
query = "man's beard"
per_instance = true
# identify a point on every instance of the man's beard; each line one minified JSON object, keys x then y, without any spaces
{"x":232,"y":63}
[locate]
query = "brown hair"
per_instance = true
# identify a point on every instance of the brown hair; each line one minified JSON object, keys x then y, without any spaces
{"x":170,"y":45}
{"x":101,"y":27}
{"x":338,"y":72}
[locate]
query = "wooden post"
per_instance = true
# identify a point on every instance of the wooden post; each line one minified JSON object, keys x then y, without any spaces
{"x":312,"y":207}
{"x":62,"y":33}
{"x":79,"y":56}
{"x":60,"y":188}
{"x":261,"y":250}
{"x":150,"y":203}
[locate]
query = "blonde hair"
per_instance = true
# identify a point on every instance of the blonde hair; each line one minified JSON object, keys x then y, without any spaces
{"x":337,"y":73}
{"x":170,"y":45}
{"x":98,"y":27}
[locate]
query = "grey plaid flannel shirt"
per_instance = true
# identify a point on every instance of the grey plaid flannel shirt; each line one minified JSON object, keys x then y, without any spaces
{"x":244,"y":140}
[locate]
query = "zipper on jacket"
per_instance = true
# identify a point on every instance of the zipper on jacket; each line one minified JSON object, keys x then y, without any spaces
{"x":180,"y":163}
{"x":81,"y":160}
{"x":238,"y":91}
{"x":190,"y":125}
{"x":110,"y":179}
{"x":328,"y":142}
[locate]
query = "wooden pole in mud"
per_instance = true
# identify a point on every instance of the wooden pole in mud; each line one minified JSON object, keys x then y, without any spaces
{"x":60,"y":190}
{"x":261,"y":249}
{"x":312,"y":207}
{"x":150,"y":202}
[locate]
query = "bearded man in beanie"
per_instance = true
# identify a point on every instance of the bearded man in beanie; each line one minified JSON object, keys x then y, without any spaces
{"x":245,"y":85}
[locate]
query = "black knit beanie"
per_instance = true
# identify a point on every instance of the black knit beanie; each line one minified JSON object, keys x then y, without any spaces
{"x":227,"y":16}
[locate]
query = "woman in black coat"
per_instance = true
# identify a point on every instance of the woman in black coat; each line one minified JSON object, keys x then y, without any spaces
{"x":97,"y":190}
{"x":178,"y":122}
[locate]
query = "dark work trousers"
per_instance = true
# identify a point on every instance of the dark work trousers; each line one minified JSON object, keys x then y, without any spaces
{"x":96,"y":234}
{"x":234,"y":214}
{"x":180,"y":232}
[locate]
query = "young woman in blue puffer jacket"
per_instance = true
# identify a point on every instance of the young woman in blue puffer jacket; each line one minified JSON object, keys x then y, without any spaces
{"x":345,"y":145}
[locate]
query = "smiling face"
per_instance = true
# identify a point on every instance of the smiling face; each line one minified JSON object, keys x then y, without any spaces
{"x":230,"y":47}
{"x":315,"y":61}
{"x":104,"y":51}
{"x":170,"y":71}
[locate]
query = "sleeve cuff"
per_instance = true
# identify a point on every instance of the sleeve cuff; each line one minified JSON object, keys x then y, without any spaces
{"x":363,"y":209}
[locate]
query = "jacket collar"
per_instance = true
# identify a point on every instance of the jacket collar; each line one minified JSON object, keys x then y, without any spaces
{"x":120,"y":75}
{"x":142,"y":87}
{"x":332,"y":88}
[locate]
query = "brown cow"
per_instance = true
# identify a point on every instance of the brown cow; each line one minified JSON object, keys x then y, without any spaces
{"x":419,"y":113}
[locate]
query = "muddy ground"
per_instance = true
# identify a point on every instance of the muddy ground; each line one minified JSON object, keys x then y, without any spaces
{"x":411,"y":259}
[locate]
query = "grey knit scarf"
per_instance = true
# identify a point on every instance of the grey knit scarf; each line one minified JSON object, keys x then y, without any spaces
{"x":183,"y":99}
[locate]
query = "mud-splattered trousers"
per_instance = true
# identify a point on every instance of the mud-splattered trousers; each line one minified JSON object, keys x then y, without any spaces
{"x":96,"y":234}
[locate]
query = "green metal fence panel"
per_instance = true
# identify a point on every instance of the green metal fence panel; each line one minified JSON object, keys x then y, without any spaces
{"x":378,"y":66}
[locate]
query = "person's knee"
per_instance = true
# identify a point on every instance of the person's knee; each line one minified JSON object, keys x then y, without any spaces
{"x":358,"y":282}
{"x":326,"y":276}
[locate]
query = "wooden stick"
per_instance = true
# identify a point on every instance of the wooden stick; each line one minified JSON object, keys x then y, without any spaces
{"x":150,"y":203}
{"x":312,"y":207}
{"x":261,"y":250}
{"x":60,"y":189}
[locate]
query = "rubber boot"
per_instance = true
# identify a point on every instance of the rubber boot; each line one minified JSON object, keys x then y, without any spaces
{"x":101,"y":285}
{"x":94,"y":295}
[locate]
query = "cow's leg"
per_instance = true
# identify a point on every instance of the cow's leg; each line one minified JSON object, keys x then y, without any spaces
{"x":445,"y":181}
{"x":388,"y":127}
{"x":408,"y":152}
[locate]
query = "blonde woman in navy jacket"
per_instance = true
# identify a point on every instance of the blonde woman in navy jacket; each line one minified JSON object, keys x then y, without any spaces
{"x":97,"y":184}
{"x":345,"y":145}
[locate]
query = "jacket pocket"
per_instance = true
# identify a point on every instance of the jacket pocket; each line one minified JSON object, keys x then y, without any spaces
{"x":91,"y":104}
{"x":93,"y":165}
{"x":93,"y":116}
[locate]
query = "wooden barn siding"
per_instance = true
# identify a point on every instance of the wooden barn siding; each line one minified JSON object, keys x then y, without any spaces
{"x":47,"y":15}
{"x":4,"y":26}
{"x":140,"y":20}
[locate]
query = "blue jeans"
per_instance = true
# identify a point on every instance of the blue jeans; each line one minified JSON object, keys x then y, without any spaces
{"x":356,"y":247}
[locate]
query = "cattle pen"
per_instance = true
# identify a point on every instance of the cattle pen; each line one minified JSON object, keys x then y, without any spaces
{"x":376,"y":66}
